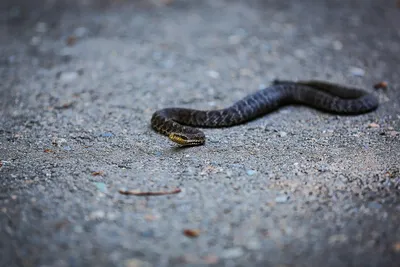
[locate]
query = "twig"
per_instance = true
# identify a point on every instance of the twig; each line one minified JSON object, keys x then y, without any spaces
{"x":157,"y":193}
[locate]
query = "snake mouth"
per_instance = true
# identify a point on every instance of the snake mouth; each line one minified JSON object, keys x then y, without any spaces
{"x":185,"y":140}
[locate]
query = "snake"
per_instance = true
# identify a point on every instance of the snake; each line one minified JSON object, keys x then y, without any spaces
{"x":178,"y":124}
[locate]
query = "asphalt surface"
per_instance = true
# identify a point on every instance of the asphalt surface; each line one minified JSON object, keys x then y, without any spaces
{"x":298,"y":187}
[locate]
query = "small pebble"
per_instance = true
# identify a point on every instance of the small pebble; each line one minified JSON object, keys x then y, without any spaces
{"x":137,"y":263}
{"x":101,"y":186}
{"x":355,"y":71}
{"x":323,"y":168}
{"x":213,"y":74}
{"x":374,"y":205}
{"x":337,"y":45}
{"x":67,"y":148}
{"x":253,"y":245}
{"x":80,"y":32}
{"x":299,"y":53}
{"x":282,"y":134}
{"x":68,"y":76}
{"x":106,"y":134}
{"x":251,"y":172}
{"x":335,"y":239}
{"x":281,"y":199}
{"x":59,"y":142}
{"x":35,"y":41}
{"x":373,"y":125}
{"x":96,"y":215}
{"x":41,"y":27}
{"x":147,"y":234}
{"x":235,"y":39}
{"x":232,"y":253}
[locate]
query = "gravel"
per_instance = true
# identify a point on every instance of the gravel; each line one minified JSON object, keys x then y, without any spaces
{"x":295,"y":188}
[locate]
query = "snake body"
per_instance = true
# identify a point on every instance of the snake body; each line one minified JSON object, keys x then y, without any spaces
{"x":176,"y":122}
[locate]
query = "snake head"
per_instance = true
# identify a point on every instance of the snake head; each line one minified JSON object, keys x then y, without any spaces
{"x":186,"y":140}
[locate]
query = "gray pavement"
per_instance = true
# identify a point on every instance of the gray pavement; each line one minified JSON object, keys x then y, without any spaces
{"x":295,"y":188}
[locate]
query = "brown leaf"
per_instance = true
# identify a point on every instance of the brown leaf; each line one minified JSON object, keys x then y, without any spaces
{"x":191,"y":232}
{"x":381,"y":85}
{"x":98,"y":173}
{"x":71,"y":40}
{"x":396,"y":247}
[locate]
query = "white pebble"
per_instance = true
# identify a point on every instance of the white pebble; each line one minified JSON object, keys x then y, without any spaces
{"x":232,"y":253}
{"x":213,"y":74}
{"x":80,"y":32}
{"x":98,"y":214}
{"x":282,"y":134}
{"x":357,"y":71}
{"x":41,"y":27}
{"x":68,"y":76}
{"x":337,"y":45}
{"x":281,"y":199}
{"x":299,"y":53}
{"x":35,"y":40}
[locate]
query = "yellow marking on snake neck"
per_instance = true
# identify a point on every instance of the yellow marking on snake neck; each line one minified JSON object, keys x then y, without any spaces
{"x":184,"y":142}
{"x":177,"y":139}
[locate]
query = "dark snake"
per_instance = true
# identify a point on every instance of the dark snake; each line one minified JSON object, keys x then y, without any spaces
{"x":175,"y":122}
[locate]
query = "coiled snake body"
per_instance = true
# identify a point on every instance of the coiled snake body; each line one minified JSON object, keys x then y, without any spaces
{"x":175,"y":122}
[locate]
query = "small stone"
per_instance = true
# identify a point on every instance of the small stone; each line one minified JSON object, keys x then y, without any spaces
{"x":323,"y":168}
{"x":299,"y":53}
{"x":337,"y":239}
{"x":373,"y":125}
{"x":253,"y":245}
{"x":106,"y":134}
{"x":213,"y":74}
{"x":78,"y":229}
{"x":251,"y":172}
{"x":35,"y":40}
{"x":67,"y":148}
{"x":210,"y":259}
{"x":393,"y":133}
{"x":374,"y":205}
{"x":337,"y":45}
{"x":235,"y":39}
{"x":148,"y":233}
{"x":232,"y":253}
{"x":96,"y":215}
{"x":80,"y":32}
{"x":282,"y":134}
{"x":59,"y":142}
{"x":68,"y":76}
{"x":101,"y":187}
{"x":246,"y":72}
{"x":281,"y":199}
{"x":355,"y":71}
{"x":41,"y":27}
{"x":137,"y":263}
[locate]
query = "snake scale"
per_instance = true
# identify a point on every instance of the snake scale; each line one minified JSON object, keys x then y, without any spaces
{"x":178,"y":123}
